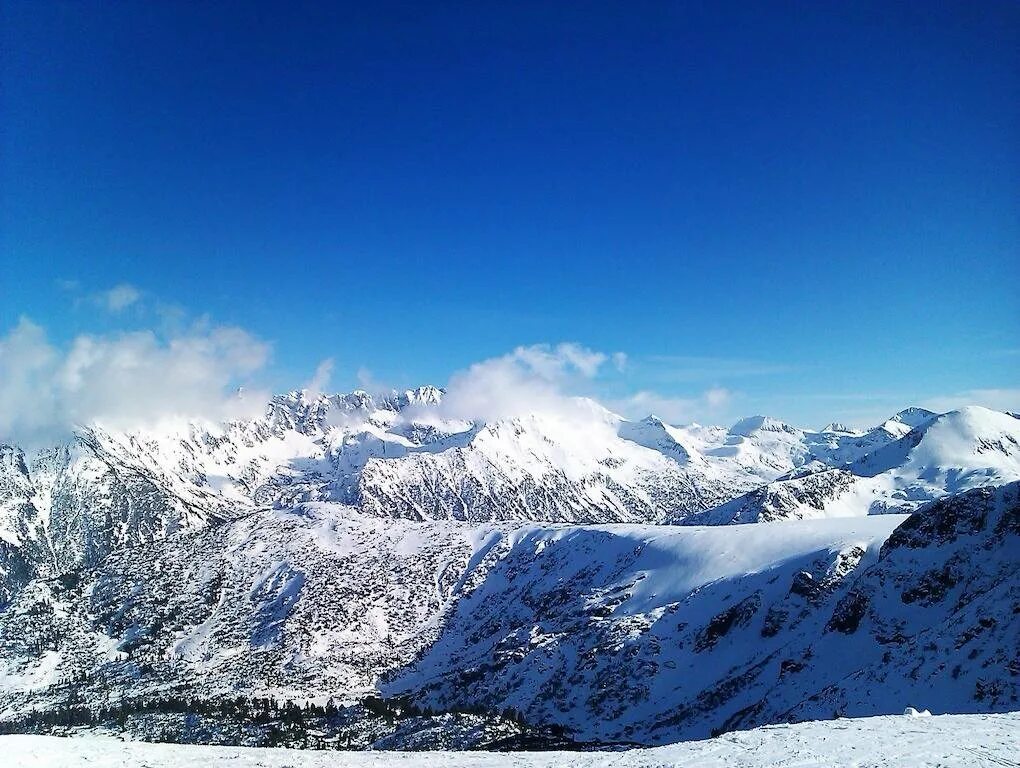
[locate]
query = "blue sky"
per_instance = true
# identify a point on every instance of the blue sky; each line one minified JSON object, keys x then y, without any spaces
{"x":812,"y":209}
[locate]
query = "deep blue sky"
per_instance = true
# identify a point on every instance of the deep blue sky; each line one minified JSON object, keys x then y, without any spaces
{"x":821,"y":199}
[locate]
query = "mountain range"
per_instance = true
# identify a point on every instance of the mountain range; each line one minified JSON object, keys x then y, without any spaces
{"x":617,"y":581}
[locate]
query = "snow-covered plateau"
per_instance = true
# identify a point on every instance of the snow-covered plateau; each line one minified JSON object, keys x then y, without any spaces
{"x":371,"y":573}
{"x":948,"y":741}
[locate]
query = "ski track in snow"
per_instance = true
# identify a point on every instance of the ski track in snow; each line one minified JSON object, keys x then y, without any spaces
{"x":879,"y":742}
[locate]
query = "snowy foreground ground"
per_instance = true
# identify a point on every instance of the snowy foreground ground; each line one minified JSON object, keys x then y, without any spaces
{"x":893,"y":741}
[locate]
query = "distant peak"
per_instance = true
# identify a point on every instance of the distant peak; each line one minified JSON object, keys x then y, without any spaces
{"x":426,"y":395}
{"x":652,"y":432}
{"x":836,"y":426}
{"x":359,"y":398}
{"x":913,"y":416}
{"x":752,"y":424}
{"x":298,"y":397}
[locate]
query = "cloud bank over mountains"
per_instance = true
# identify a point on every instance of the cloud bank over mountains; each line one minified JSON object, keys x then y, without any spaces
{"x":124,"y":381}
{"x":184,"y":367}
{"x":534,"y":379}
{"x":140,"y":379}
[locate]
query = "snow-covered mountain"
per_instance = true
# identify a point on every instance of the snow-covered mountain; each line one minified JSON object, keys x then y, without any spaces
{"x":630,"y":633}
{"x":347,"y":545}
{"x":912,"y":459}
{"x":401,"y":455}
{"x":637,"y":634}
{"x":394,"y":456}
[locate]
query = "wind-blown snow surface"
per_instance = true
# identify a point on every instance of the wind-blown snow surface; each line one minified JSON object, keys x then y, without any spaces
{"x":881,"y":742}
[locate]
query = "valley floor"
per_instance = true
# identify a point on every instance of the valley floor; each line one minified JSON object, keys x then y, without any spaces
{"x":890,"y":741}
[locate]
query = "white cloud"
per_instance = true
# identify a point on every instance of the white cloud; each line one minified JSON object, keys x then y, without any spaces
{"x":534,"y":379}
{"x":193,"y":368}
{"x":368,"y":382}
{"x":553,"y":363}
{"x":996,"y":399}
{"x":688,"y":368}
{"x":673,"y":410}
{"x":113,"y":300}
{"x":320,"y":379}
{"x":124,"y":381}
{"x":120,"y":297}
{"x":717,"y":397}
{"x":550,"y":380}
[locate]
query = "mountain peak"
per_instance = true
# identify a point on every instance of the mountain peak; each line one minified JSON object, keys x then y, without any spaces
{"x":913,"y":416}
{"x":427,"y":395}
{"x":754,"y":424}
{"x":836,"y":426}
{"x":652,"y":432}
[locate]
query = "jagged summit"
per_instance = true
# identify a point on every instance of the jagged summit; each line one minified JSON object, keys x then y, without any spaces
{"x":398,"y":455}
{"x":913,"y":416}
{"x":901,"y":423}
{"x":837,"y":427}
{"x":748,"y":426}
{"x":652,"y":432}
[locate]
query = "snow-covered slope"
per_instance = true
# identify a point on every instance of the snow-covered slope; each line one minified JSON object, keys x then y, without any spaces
{"x":644,"y":635}
{"x":950,"y":741}
{"x":630,"y":633}
{"x":308,"y":602}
